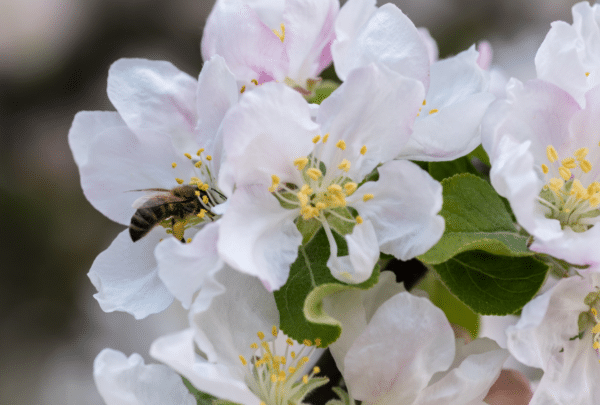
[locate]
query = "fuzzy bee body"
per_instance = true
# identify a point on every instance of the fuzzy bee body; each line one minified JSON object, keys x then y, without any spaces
{"x":178,"y":204}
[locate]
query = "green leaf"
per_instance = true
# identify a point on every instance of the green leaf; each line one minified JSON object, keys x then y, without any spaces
{"x":300,"y":300}
{"x":442,"y":170}
{"x":490,"y":284}
{"x":476,"y":219}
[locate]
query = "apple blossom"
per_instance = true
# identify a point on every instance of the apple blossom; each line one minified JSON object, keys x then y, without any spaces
{"x":233,"y":323}
{"x":288,"y":168}
{"x":163,"y":134}
{"x":281,"y":40}
{"x":456,"y":88}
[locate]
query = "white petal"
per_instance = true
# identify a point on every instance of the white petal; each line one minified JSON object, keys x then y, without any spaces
{"x":258,"y":236}
{"x":477,"y":366}
{"x":458,"y":91}
{"x":269,"y":128}
{"x":155,"y":95}
{"x":119,"y":162}
{"x":404,"y":209}
{"x":86,"y":126}
{"x":126,"y":276}
{"x":177,"y":350}
{"x":128,"y":381}
{"x":430,"y":44}
{"x":375,"y":108}
{"x":217,"y":92}
{"x":228,"y":313}
{"x":184,"y":267}
{"x":363,"y":254}
{"x":379,"y":369}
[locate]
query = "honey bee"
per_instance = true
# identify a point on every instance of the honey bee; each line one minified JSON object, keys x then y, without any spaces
{"x":178,"y":204}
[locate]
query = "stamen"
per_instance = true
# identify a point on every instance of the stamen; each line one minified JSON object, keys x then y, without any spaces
{"x":255,"y":82}
{"x":564,"y":173}
{"x":173,"y":165}
{"x":585,"y":166}
{"x":187,"y":155}
{"x":326,"y":137}
{"x":345,"y":165}
{"x":359,"y":219}
{"x":341,"y":144}
{"x":200,"y":151}
{"x":274,"y":331}
{"x":363,"y":150}
{"x":587,"y":74}
{"x":243,"y":360}
{"x":569,"y":163}
{"x":178,"y":180}
{"x":433,"y":111}
{"x":198,"y":164}
{"x":208,"y":157}
{"x":202,"y":213}
{"x":301,"y":163}
{"x":368,"y":197}
{"x":316,"y":139}
{"x":205,"y":199}
{"x":282,"y":35}
{"x":581,"y":153}
{"x":551,"y":154}
{"x":243,"y":89}
{"x":545,"y":169}
{"x":350,"y":188}
{"x":260,"y":335}
{"x":314,"y":173}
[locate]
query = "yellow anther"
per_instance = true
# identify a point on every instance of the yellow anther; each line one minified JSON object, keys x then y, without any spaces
{"x":195,"y":180}
{"x":204,"y":187}
{"x":551,"y":154}
{"x":205,"y":199}
{"x":363,"y":150}
{"x":368,"y":197}
{"x":555,"y":184}
{"x":345,"y":165}
{"x":306,"y":189}
{"x":309,"y":212}
{"x":316,"y":370}
{"x":594,"y":200}
{"x":187,"y":155}
{"x":200,"y":151}
{"x":581,"y":153}
{"x":189,"y":240}
{"x":262,"y":403}
{"x":314,"y":173}
{"x":281,"y":35}
{"x":596,"y":345}
{"x":197,"y":193}
{"x":291,"y":370}
{"x":305,"y":379}
{"x":316,"y":139}
{"x":301,"y":163}
{"x":275,"y":179}
{"x":424,"y":102}
{"x":302,"y":198}
{"x":303,"y":360}
{"x":198,"y":164}
{"x":282,"y":375}
{"x":173,"y":165}
{"x":208,"y":157}
{"x":569,"y":163}
{"x":587,"y":74}
{"x":306,"y":342}
{"x":433,"y":111}
{"x":254,"y":346}
{"x":326,"y":137}
{"x":564,"y":173}
{"x":274,"y":378}
{"x":293,"y":355}
{"x":243,"y":89}
{"x":320,"y":206}
{"x":585,"y":165}
{"x":243,"y":360}
{"x":317,"y":342}
{"x":544,"y":168}
{"x":594,"y":311}
{"x":255,"y":82}
{"x":179,"y":181}
{"x":202,"y":213}
{"x":359,"y":219}
{"x":289,"y":341}
{"x":341,"y":144}
{"x":596,"y":329}
{"x":260,"y":335}
{"x":350,"y":188}
{"x":274,"y":331}
{"x":334,"y":188}
{"x":578,"y":190}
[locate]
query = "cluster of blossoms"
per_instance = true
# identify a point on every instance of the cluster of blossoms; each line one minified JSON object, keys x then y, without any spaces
{"x":266,"y":199}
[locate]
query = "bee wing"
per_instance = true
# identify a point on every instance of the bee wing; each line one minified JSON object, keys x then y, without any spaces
{"x":151,"y":200}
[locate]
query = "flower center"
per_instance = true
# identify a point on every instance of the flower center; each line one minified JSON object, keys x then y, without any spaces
{"x":280,"y":379}
{"x":566,"y":198}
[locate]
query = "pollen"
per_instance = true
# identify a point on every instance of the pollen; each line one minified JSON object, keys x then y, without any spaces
{"x":545,"y":169}
{"x":200,"y":151}
{"x":587,"y":74}
{"x":197,"y":193}
{"x":208,"y":157}
{"x":316,"y":139}
{"x":205,"y":199}
{"x":243,"y":360}
{"x":569,"y":163}
{"x":368,"y":197}
{"x":325,"y":138}
{"x":274,"y":331}
{"x":345,"y":165}
{"x":581,"y":153}
{"x":433,"y":111}
{"x":260,"y":335}
{"x":363,"y":150}
{"x":173,"y":165}
{"x":585,"y":166}
{"x":187,"y":155}
{"x":350,"y":188}
{"x":314,"y":173}
{"x":564,"y":173}
{"x":359,"y":219}
{"x":198,"y":164}
{"x":281,"y":35}
{"x":178,"y":180}
{"x":243,"y":89}
{"x":301,"y":163}
{"x":341,"y":144}
{"x":201,"y":214}
{"x":551,"y":154}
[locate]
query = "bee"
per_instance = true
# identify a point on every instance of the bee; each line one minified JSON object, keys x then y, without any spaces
{"x":178,"y":204}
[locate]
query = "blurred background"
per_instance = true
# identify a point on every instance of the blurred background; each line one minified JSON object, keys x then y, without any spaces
{"x":54,"y":59}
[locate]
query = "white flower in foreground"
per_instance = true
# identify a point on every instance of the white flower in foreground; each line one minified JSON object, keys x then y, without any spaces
{"x":544,"y":153}
{"x":235,"y":332}
{"x":274,"y":40}
{"x":288,"y":168}
{"x":456,"y":88}
{"x":559,"y":332}
{"x":569,"y":55}
{"x":153,"y":141}
{"x":128,"y":381}
{"x":397,"y":348}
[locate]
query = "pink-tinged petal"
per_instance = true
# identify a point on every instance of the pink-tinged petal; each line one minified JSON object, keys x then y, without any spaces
{"x":351,"y":18}
{"x":548,"y":322}
{"x":126,"y":276}
{"x":154,"y":95}
{"x":227,"y":316}
{"x":128,"y":381}
{"x":121,"y":161}
{"x":485,"y":55}
{"x":217,"y":92}
{"x":252,"y":51}
{"x":374,"y":107}
{"x":178,"y":352}
{"x":308,"y":36}
{"x":389,"y":38}
{"x":476,"y":367}
{"x":363,"y":254}
{"x":379,"y":369}
{"x":258,"y":236}
{"x":183,"y":268}
{"x":571,"y":376}
{"x":404,"y":209}
{"x":432,"y":47}
{"x":449,"y":124}
{"x":86,"y":126}
{"x":512,"y":387}
{"x":263,"y":134}
{"x":574,"y":247}
{"x":584,"y":129}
